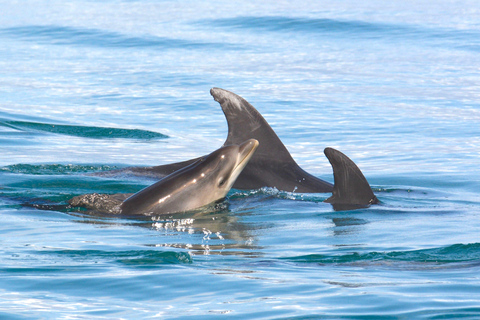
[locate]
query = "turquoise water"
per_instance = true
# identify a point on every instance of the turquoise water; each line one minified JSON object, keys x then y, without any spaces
{"x":89,"y":86}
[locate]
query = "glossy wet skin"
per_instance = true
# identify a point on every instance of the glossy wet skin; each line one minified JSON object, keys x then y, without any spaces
{"x":207,"y":180}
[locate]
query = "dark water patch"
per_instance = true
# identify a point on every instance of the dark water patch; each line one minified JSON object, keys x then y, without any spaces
{"x":54,"y":169}
{"x":457,"y":253}
{"x":83,"y":131}
{"x":65,"y":35}
{"x":132,"y":258}
{"x":460,"y":39}
{"x":290,"y":24}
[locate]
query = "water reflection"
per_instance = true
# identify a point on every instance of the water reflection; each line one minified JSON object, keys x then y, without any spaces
{"x":347,"y":225}
{"x":214,"y":229}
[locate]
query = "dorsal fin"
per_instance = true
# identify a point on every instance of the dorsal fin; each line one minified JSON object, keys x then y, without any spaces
{"x":271,"y":165}
{"x":245,"y":122}
{"x":351,"y":189}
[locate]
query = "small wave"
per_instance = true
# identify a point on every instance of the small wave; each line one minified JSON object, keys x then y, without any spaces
{"x":84,"y":131}
{"x":450,"y":254}
{"x":64,"y":35}
{"x":459,"y":39}
{"x":54,"y":169}
{"x":277,"y":23}
{"x":134,"y":258}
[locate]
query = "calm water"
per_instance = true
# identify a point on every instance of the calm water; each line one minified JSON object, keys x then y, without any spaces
{"x":88,"y":86}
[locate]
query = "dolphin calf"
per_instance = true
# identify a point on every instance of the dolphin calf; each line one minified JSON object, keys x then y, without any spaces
{"x":271,"y":165}
{"x":204,"y":181}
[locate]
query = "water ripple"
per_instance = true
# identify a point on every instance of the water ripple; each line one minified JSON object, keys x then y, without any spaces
{"x":460,"y":39}
{"x":129,"y":257}
{"x":442,"y":255}
{"x":282,"y":24}
{"x":83,"y":131}
{"x":53,"y":169}
{"x":65,"y":35}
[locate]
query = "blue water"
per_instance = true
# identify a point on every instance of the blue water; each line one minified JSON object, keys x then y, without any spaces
{"x":87,"y":86}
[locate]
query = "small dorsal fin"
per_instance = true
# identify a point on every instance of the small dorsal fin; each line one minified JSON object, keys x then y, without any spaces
{"x":351,"y":190}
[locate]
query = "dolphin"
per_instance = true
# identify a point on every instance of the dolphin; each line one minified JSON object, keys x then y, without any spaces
{"x":351,"y":189}
{"x":205,"y":181}
{"x":271,"y":165}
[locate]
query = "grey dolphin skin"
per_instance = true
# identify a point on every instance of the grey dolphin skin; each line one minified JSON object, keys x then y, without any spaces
{"x":351,"y":190}
{"x":271,"y":165}
{"x":204,"y":181}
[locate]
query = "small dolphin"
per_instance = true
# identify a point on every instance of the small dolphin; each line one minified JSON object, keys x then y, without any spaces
{"x":206,"y":180}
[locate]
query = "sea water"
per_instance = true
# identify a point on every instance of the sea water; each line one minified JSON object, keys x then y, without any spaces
{"x":89,"y":86}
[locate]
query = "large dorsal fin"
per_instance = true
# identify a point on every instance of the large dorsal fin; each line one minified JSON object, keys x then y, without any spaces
{"x":351,"y":189}
{"x":271,"y":165}
{"x":245,"y":122}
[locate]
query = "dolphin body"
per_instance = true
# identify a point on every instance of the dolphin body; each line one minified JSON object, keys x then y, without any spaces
{"x":206,"y":180}
{"x":272,"y":165}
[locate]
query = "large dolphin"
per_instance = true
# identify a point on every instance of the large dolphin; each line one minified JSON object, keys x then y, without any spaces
{"x":271,"y":165}
{"x":202,"y":182}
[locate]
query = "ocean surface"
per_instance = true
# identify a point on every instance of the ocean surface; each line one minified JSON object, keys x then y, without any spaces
{"x":89,"y":86}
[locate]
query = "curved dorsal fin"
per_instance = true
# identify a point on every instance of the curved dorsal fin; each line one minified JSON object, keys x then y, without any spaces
{"x":271,"y":165}
{"x":351,"y":189}
{"x":245,"y":122}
